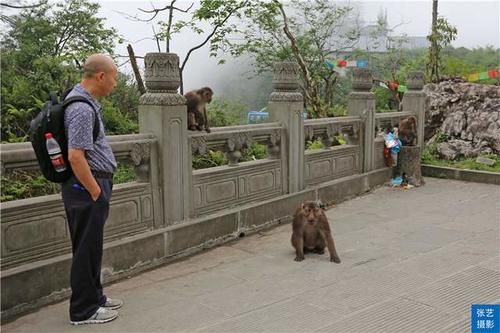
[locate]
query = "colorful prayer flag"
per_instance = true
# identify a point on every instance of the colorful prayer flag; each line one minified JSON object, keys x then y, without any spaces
{"x":473,"y":77}
{"x":483,"y":76}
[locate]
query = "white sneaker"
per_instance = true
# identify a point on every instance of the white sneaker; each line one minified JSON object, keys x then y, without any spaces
{"x":101,"y":316}
{"x":112,"y":303}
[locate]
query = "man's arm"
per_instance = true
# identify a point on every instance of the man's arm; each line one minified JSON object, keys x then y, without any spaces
{"x":81,"y":169}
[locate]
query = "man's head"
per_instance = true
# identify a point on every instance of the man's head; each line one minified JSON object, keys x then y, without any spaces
{"x":99,"y":75}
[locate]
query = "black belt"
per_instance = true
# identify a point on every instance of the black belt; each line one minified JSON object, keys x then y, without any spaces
{"x":102,"y":174}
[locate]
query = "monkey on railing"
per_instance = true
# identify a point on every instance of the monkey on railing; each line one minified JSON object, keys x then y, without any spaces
{"x":196,"y":101}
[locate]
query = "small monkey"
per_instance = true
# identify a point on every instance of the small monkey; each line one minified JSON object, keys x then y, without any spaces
{"x":311,"y":231}
{"x":407,"y":131}
{"x":205,"y":94}
{"x":196,"y":101}
{"x":196,"y":119}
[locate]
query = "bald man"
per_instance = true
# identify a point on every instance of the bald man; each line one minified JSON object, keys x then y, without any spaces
{"x":87,"y":193}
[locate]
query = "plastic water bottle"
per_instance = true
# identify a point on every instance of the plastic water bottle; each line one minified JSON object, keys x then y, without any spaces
{"x":55,"y":153}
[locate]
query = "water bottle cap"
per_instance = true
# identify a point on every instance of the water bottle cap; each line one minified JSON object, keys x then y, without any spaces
{"x":48,"y":135}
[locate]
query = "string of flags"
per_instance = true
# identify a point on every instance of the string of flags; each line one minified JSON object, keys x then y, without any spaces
{"x":332,"y":64}
{"x":492,"y":74}
{"x":393,"y":86}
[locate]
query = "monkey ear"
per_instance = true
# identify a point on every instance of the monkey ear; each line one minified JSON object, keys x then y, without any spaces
{"x":302,"y":206}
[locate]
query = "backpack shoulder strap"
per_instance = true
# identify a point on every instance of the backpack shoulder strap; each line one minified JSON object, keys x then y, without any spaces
{"x":75,"y":99}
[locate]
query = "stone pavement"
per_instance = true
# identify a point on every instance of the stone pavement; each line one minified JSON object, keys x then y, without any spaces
{"x":412,"y":261}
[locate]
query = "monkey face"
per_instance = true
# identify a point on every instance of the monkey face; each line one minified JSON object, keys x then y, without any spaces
{"x":208,"y":97}
{"x":311,"y":212}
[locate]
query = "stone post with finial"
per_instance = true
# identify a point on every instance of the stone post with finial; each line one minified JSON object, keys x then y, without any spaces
{"x":286,"y":105}
{"x":414,"y":101}
{"x":162,"y":111}
{"x":362,"y":103}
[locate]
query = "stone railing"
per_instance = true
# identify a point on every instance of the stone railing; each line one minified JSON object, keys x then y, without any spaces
{"x":237,"y":183}
{"x":173,"y":210}
{"x":36,"y":228}
{"x":334,"y":160}
{"x":20,"y":156}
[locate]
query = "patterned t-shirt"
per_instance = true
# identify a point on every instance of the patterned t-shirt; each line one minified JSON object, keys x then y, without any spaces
{"x":79,"y":125}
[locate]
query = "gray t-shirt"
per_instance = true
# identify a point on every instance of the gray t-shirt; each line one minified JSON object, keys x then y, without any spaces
{"x":79,"y":125}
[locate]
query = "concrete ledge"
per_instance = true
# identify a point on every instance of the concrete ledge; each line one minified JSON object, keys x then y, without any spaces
{"x":30,"y":286}
{"x":275,"y":211}
{"x":461,"y":174}
{"x":346,"y":188}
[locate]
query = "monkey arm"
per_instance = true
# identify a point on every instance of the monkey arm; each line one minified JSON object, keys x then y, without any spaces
{"x":326,"y":233}
{"x":298,"y":236}
{"x":205,"y":114}
{"x":298,"y":242}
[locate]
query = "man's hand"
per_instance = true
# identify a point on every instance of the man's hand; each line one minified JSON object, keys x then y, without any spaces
{"x":96,"y":194}
{"x":81,"y":169}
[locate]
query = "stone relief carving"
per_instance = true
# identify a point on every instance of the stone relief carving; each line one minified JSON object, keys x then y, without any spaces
{"x":162,"y":72}
{"x":234,"y":144}
{"x":361,"y":79}
{"x":140,"y":155}
{"x":286,"y":76}
{"x":415,"y":80}
{"x":199,"y":144}
{"x":309,"y":132}
{"x":273,"y":146}
{"x":162,"y":98}
{"x":282,"y":96}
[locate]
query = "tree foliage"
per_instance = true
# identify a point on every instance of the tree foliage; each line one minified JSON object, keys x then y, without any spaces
{"x":42,"y":51}
{"x":216,"y":15}
{"x":315,"y":31}
{"x":442,"y":34}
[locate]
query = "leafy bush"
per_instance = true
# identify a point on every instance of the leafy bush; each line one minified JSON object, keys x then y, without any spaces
{"x":256,"y":151}
{"x":117,"y":122}
{"x":223,"y":112}
{"x":217,"y":158}
{"x":314,"y":145}
{"x":22,"y":184}
{"x":209,"y":160}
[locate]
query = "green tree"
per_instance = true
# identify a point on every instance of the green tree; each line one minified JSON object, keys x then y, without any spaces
{"x":442,"y":34}
{"x":307,"y":32}
{"x":217,"y":15}
{"x":42,"y":51}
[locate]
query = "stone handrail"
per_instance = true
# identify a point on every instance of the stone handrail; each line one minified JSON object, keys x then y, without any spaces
{"x":327,"y":128}
{"x":21,"y":155}
{"x":233,"y":139}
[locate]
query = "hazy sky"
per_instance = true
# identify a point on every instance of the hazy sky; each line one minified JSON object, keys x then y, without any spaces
{"x":478,"y":24}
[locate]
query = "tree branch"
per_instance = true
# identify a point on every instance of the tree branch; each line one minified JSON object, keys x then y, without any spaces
{"x":156,"y":37}
{"x":135,"y":68}
{"x":156,"y":11}
{"x":311,"y":91}
{"x":41,"y":3}
{"x":211,"y":34}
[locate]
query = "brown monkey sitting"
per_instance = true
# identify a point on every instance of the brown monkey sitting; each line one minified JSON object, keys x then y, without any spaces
{"x":311,"y":231}
{"x":205,"y":94}
{"x":196,"y":119}
{"x":407,"y":131}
